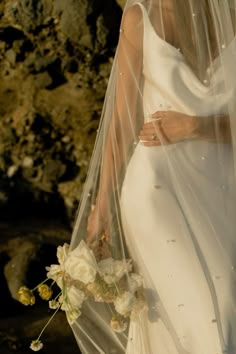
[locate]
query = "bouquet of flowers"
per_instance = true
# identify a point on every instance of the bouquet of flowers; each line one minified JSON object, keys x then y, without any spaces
{"x":80,"y":276}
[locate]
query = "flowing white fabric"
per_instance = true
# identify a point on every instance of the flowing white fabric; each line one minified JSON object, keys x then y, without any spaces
{"x":174,"y":244}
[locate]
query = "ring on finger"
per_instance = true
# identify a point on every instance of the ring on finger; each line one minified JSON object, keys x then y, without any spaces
{"x":154,"y":137}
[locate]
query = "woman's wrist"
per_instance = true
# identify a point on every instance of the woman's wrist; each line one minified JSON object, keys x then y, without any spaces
{"x":196,"y":128}
{"x":213,"y":128}
{"x":204,"y":128}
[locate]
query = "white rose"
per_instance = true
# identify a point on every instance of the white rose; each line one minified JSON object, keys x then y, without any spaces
{"x":81,"y":264}
{"x":54,"y":271}
{"x":112,"y":270}
{"x":106,"y":266}
{"x":62,"y":253}
{"x":73,"y":298}
{"x":124,"y":303}
{"x":106,"y":270}
{"x":135,"y":282}
{"x":121,"y":268}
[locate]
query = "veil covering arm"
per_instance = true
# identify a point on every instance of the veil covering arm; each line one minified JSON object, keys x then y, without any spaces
{"x":120,"y":122}
{"x":126,"y":118}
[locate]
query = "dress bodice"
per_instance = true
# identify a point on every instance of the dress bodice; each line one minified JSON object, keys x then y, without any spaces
{"x":169,"y":83}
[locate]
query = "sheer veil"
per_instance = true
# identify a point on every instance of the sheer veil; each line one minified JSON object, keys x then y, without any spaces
{"x":199,"y":35}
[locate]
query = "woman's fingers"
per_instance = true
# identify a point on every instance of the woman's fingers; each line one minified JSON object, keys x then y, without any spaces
{"x":159,"y":114}
{"x":148,"y":137}
{"x":150,"y":133}
{"x":151,"y":143}
{"x":154,"y":133}
{"x":151,"y":125}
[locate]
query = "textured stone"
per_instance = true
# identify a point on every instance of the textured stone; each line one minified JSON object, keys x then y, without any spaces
{"x":22,"y":252}
{"x":29,"y":14}
{"x":43,"y":80}
{"x":11,"y":56}
{"x":10,"y":34}
{"x":73,"y":20}
{"x":88,"y":23}
{"x":55,"y":64}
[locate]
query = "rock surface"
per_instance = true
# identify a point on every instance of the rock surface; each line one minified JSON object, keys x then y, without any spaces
{"x":55,"y":59}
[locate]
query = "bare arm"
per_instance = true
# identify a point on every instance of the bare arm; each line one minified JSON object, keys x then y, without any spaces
{"x":122,"y":128}
{"x":214,"y":128}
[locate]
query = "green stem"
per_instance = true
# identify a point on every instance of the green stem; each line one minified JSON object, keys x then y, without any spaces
{"x":111,"y":310}
{"x":51,"y":318}
{"x":117,"y":289}
{"x":58,"y":296}
{"x":39,"y":284}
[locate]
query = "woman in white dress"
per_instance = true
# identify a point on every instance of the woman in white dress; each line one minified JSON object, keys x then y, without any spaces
{"x":161,"y":185}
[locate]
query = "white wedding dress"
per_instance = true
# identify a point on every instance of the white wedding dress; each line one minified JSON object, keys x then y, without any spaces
{"x":185,"y":254}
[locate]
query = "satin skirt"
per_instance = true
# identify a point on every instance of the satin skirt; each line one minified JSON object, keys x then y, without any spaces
{"x":180,"y":228}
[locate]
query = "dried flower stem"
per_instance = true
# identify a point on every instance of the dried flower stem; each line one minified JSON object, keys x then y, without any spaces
{"x":45,"y":280}
{"x":50,"y":319}
{"x":117,"y":289}
{"x":58,"y":295}
{"x":111,"y":309}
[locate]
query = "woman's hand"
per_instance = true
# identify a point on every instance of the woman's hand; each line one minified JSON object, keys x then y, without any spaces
{"x":98,"y":231}
{"x":169,"y":127}
{"x":98,"y":223}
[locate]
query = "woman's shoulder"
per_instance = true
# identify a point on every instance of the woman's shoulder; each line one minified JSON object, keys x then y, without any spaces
{"x":132,"y":25}
{"x":132,"y":16}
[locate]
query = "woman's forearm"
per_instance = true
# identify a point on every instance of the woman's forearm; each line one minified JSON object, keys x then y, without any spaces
{"x":215,"y":129}
{"x":114,"y":157}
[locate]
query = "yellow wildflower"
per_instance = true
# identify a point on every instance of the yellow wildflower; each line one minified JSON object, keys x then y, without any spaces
{"x":25,"y":296}
{"x":53,"y":304}
{"x":45,"y":292}
{"x":36,"y":345}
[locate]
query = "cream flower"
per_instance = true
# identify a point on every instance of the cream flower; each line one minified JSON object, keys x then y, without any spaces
{"x":138,"y":307}
{"x":62,"y":253}
{"x":122,"y":267}
{"x":74,"y":298}
{"x":135,"y":282}
{"x":73,"y":315}
{"x":118,"y":325}
{"x":53,"y":304}
{"x":81,"y":264}
{"x":112,"y":271}
{"x":54,"y":271}
{"x":124,"y":303}
{"x":36,"y":345}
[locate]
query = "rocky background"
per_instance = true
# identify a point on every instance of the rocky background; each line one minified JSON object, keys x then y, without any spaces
{"x":55,"y":59}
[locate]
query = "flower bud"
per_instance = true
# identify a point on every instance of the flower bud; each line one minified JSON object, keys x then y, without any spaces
{"x":45,"y":292}
{"x":25,"y":296}
{"x":53,"y":304}
{"x":36,"y":345}
{"x":72,"y":315}
{"x":118,"y":325}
